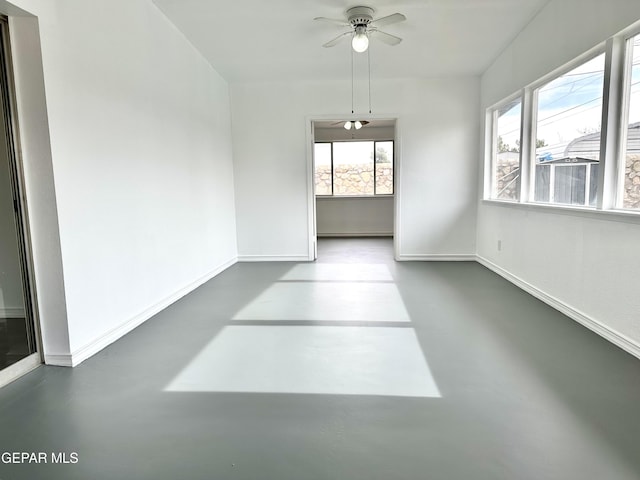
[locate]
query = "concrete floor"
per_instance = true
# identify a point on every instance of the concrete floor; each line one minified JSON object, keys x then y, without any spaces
{"x":463,"y":377}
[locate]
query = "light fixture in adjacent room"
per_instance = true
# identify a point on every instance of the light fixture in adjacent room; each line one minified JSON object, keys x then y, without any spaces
{"x":357,"y":125}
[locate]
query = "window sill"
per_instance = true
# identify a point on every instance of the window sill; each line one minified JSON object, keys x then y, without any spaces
{"x":342,"y":197}
{"x":629,"y":216}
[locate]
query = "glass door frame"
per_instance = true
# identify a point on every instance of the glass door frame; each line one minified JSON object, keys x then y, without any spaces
{"x":9,"y":111}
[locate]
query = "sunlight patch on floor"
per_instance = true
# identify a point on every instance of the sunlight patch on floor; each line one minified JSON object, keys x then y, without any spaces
{"x":310,"y":360}
{"x":319,"y":301}
{"x":279,"y":343}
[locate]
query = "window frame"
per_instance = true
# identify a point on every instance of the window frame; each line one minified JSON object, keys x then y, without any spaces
{"x":375,"y":186}
{"x":330,"y":162}
{"x":491,"y":153}
{"x":624,"y":68}
{"x":614,"y":127}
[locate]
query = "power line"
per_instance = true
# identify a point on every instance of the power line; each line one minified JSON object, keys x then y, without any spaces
{"x":540,"y":121}
{"x":568,"y":110}
{"x":571,"y":92}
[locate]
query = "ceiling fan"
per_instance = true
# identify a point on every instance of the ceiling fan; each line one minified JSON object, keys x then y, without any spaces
{"x":352,"y":125}
{"x":362,"y":24}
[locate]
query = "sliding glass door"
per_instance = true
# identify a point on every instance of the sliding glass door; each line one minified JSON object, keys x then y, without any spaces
{"x":18,"y":344}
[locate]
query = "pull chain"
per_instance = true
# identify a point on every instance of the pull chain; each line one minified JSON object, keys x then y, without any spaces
{"x":352,"y":74}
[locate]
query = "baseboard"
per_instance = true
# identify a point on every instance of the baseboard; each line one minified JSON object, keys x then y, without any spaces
{"x":81,"y":354}
{"x":273,"y":258}
{"x":618,"y":339}
{"x":456,"y":257}
{"x":59,"y":360}
{"x":8,"y":312}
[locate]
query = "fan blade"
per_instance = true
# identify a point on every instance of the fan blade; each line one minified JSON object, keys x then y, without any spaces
{"x":331,"y":43}
{"x":334,"y":21}
{"x":388,"y":20}
{"x":341,"y":122}
{"x":386,"y":37}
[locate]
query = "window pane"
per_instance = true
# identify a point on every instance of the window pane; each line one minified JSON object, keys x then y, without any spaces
{"x":384,"y":168}
{"x":570,"y":184}
{"x":506,"y":158}
{"x":631,"y":193}
{"x":543,"y":182}
{"x":568,"y":129}
{"x":353,"y":168}
{"x":322,"y":159}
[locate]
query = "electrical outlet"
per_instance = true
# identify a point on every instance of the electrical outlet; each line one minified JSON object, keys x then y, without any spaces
{"x":499,"y":245}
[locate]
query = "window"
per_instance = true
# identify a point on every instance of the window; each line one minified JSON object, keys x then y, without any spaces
{"x":629,"y":193}
{"x":567,"y":132}
{"x":355,"y":168}
{"x":505,"y":152}
{"x":384,"y":168}
{"x":323,"y":173}
{"x":551,"y":135}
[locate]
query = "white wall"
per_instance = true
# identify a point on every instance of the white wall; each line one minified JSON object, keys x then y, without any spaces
{"x":584,"y":263}
{"x":437,"y":149}
{"x":141,"y":156}
{"x":356,"y":216}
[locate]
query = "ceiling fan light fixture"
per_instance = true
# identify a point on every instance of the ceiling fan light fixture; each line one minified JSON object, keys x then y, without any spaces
{"x":361,"y":21}
{"x":360,"y":41}
{"x":357,"y":124}
{"x":347,"y":125}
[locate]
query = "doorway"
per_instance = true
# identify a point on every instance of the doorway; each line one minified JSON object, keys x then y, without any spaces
{"x":18,"y":339}
{"x":354,"y":178}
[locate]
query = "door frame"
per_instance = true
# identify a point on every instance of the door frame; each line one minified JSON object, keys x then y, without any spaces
{"x":311,"y":187}
{"x":9,"y":110}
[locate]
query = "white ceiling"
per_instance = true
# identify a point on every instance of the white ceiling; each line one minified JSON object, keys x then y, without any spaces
{"x":257,"y":40}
